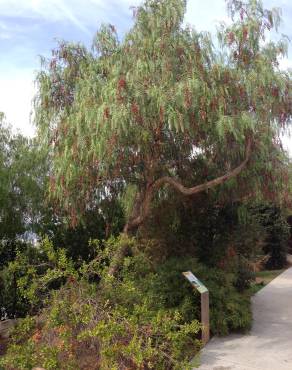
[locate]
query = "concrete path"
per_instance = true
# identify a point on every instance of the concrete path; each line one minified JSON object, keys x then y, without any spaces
{"x":269,"y":344}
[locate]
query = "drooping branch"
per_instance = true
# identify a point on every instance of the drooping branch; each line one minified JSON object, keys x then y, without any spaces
{"x":209,"y":184}
{"x":143,"y":201}
{"x":177,"y":185}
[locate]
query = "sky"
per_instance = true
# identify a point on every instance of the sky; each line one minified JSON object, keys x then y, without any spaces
{"x":30,"y":28}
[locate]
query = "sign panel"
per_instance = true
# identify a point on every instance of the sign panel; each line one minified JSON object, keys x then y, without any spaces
{"x":196,"y":283}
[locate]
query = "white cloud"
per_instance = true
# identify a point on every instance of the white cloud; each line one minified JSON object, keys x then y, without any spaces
{"x":67,"y":12}
{"x":285,"y":63}
{"x":50,"y":10}
{"x":16,"y":92}
{"x":4,"y":32}
{"x":25,"y":8}
{"x":5,"y":35}
{"x":205,"y":15}
{"x":16,"y":88}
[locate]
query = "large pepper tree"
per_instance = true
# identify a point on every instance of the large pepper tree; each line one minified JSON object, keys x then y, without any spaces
{"x":164,"y":108}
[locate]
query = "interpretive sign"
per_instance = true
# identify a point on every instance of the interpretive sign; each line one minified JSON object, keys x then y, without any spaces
{"x":196,"y":283}
{"x":202,"y":289}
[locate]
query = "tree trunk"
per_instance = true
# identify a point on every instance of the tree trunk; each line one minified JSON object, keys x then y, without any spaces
{"x":143,"y":200}
{"x":119,"y":256}
{"x":128,"y":230}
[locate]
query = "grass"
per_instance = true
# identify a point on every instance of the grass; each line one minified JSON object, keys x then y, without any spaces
{"x":263,"y":278}
{"x":195,"y":362}
{"x":268,"y":275}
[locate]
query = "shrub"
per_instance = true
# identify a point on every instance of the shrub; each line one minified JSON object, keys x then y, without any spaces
{"x":114,"y":319}
{"x":147,"y":317}
{"x":26,"y":281}
{"x":12,"y":301}
{"x":277,"y":229}
{"x":229,"y":309}
{"x":244,"y":275}
{"x":166,"y":288}
{"x":80,"y":331}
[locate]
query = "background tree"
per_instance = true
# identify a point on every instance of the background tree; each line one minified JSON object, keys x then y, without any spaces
{"x":22,"y":169}
{"x":164,"y":107}
{"x":26,"y":215}
{"x":277,"y":230}
{"x":99,"y":223}
{"x":22,"y":188}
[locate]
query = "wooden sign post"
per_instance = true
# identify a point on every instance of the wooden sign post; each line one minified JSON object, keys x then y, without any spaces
{"x":197,"y":284}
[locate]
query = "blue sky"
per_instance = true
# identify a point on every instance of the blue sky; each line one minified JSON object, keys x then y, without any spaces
{"x":29,"y":28}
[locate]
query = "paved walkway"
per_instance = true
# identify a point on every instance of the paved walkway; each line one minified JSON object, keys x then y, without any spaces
{"x":269,"y":344}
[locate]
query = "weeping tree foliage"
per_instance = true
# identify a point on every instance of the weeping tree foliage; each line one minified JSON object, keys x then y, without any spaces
{"x":166,"y":109}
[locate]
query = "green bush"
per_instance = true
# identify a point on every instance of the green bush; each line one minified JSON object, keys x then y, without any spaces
{"x":244,"y":275}
{"x":26,"y":281}
{"x":114,"y":318}
{"x":118,"y":336}
{"x":229,"y":309}
{"x":277,"y":229}
{"x":12,"y":301}
{"x":165,"y":288}
{"x":146,"y":317}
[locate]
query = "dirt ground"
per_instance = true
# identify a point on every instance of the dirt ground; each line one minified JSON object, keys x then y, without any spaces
{"x":3,"y":346}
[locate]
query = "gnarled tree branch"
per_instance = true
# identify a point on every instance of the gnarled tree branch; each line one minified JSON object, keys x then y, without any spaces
{"x":143,"y":202}
{"x":177,"y":185}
